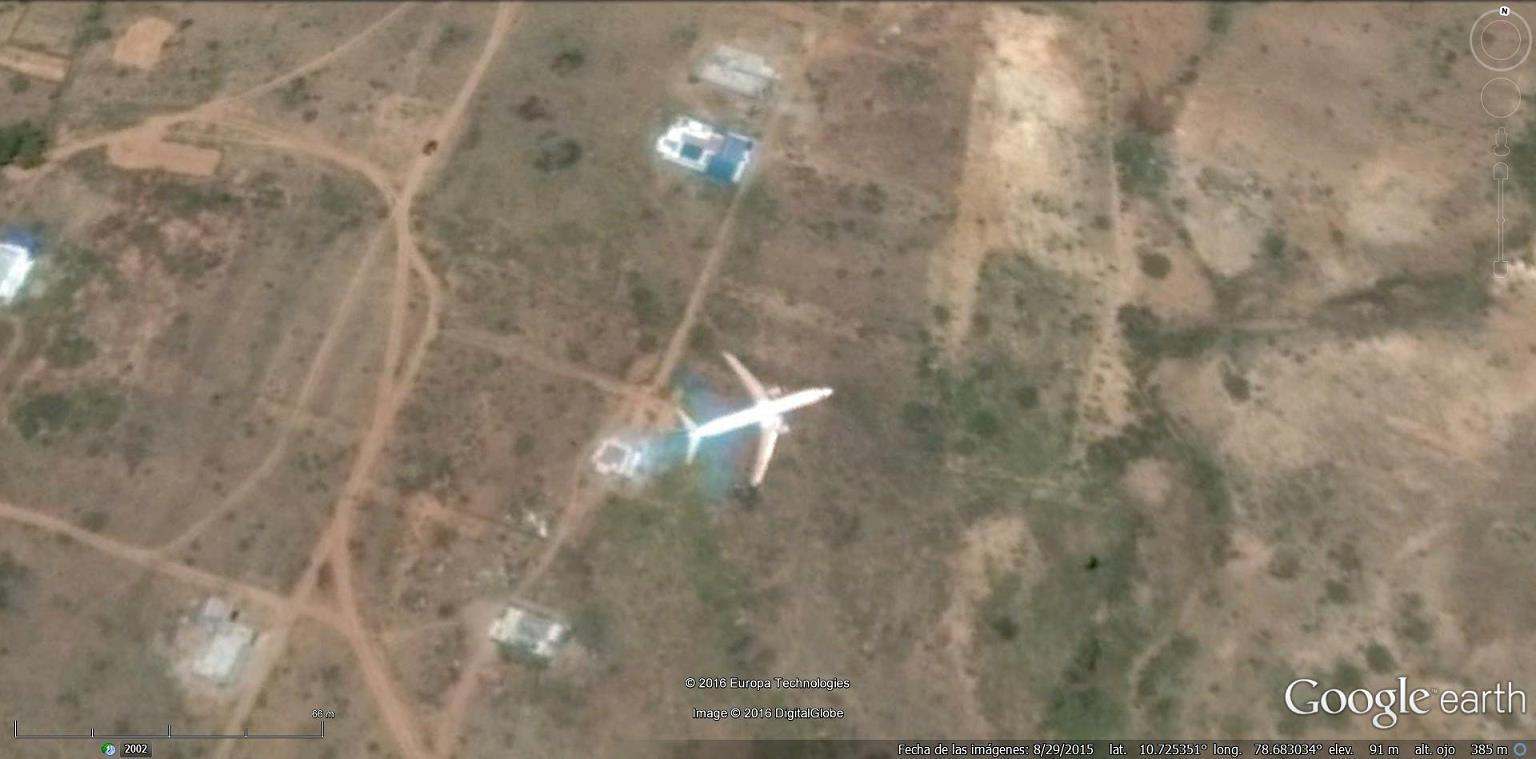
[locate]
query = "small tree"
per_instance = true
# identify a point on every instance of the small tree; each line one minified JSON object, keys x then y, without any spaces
{"x":23,"y":144}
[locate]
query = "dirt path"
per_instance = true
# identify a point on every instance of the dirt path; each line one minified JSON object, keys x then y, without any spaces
{"x":516,"y":349}
{"x":957,"y":272}
{"x":153,"y":561}
{"x":1104,"y":352}
{"x":374,"y":669}
{"x":296,"y":409}
{"x":270,"y":138}
{"x":313,"y":64}
{"x":583,"y":500}
{"x":394,"y":386}
{"x":155,"y":127}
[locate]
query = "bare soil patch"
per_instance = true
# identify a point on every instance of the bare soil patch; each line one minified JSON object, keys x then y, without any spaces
{"x":35,"y":64}
{"x":140,"y":152}
{"x":142,"y":43}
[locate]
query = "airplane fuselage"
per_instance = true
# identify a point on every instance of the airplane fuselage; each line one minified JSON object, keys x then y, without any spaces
{"x":765,"y":412}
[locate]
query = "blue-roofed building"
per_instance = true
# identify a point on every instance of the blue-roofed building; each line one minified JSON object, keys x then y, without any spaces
{"x":719,"y":155}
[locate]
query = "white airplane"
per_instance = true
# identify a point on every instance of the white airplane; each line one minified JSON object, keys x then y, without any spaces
{"x":767,"y":412}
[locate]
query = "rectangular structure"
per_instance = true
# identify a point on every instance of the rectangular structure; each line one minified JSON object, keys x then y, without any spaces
{"x":722,"y":156}
{"x":15,"y":264}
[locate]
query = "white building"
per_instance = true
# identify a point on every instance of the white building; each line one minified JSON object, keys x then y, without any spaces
{"x":214,"y":645}
{"x":15,"y":264}
{"x":525,"y":631}
{"x":615,"y":457}
{"x":224,"y":655}
{"x":722,"y":156}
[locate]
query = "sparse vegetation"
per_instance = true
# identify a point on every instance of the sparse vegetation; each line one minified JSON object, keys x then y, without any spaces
{"x":12,"y":574}
{"x":1150,"y":340}
{"x":1402,"y":301}
{"x":673,"y":542}
{"x":93,"y":26}
{"x":909,"y":81}
{"x":646,"y":305}
{"x":1412,"y":624}
{"x":1163,"y":679}
{"x":46,"y":417}
{"x":1236,"y":384}
{"x":685,"y":35}
{"x":22,"y":143}
{"x":187,"y":198}
{"x":555,"y":155}
{"x":998,"y":609}
{"x":524,"y":445}
{"x":1218,"y":17}
{"x":1379,"y":658}
{"x":70,"y":349}
{"x":95,"y":521}
{"x":568,"y":61}
{"x":451,"y":37}
{"x":980,"y":411}
{"x":421,"y":468}
{"x":1154,"y":265}
{"x":1273,"y":244}
{"x":1143,"y":165}
{"x":1522,"y":161}
{"x":295,"y":94}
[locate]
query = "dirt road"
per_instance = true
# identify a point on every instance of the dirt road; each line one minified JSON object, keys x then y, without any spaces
{"x":153,"y":560}
{"x":395,"y":384}
{"x":631,"y":410}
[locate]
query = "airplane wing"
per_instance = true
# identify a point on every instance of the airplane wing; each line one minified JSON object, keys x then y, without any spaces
{"x":765,"y":444}
{"x":753,"y":386}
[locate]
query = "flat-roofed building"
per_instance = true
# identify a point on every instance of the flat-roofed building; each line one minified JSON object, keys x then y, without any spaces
{"x":16,"y":261}
{"x":523,"y":630}
{"x":722,"y":156}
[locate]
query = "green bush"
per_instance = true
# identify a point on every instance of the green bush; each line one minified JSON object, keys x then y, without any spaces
{"x":70,"y":350}
{"x":1155,"y":265}
{"x":910,"y":81}
{"x":22,"y":143}
{"x":1219,"y":18}
{"x":1142,"y":164}
{"x":48,"y":416}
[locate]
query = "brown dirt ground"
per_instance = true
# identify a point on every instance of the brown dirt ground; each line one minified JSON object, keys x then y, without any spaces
{"x":32,"y":63}
{"x":144,"y":152}
{"x":142,"y":43}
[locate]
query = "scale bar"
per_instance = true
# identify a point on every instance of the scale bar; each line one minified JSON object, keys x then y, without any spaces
{"x":92,"y":735}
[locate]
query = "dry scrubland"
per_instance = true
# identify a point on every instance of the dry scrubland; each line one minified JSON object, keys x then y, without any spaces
{"x":1168,"y":365}
{"x":85,"y":643}
{"x":165,"y":341}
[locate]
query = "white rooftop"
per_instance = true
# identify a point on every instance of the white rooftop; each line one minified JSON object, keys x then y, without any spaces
{"x":722,"y":156}
{"x":15,"y":263}
{"x":690,"y":142}
{"x":216,"y":609}
{"x":222,"y":658}
{"x":615,"y":457}
{"x":523,"y":629}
